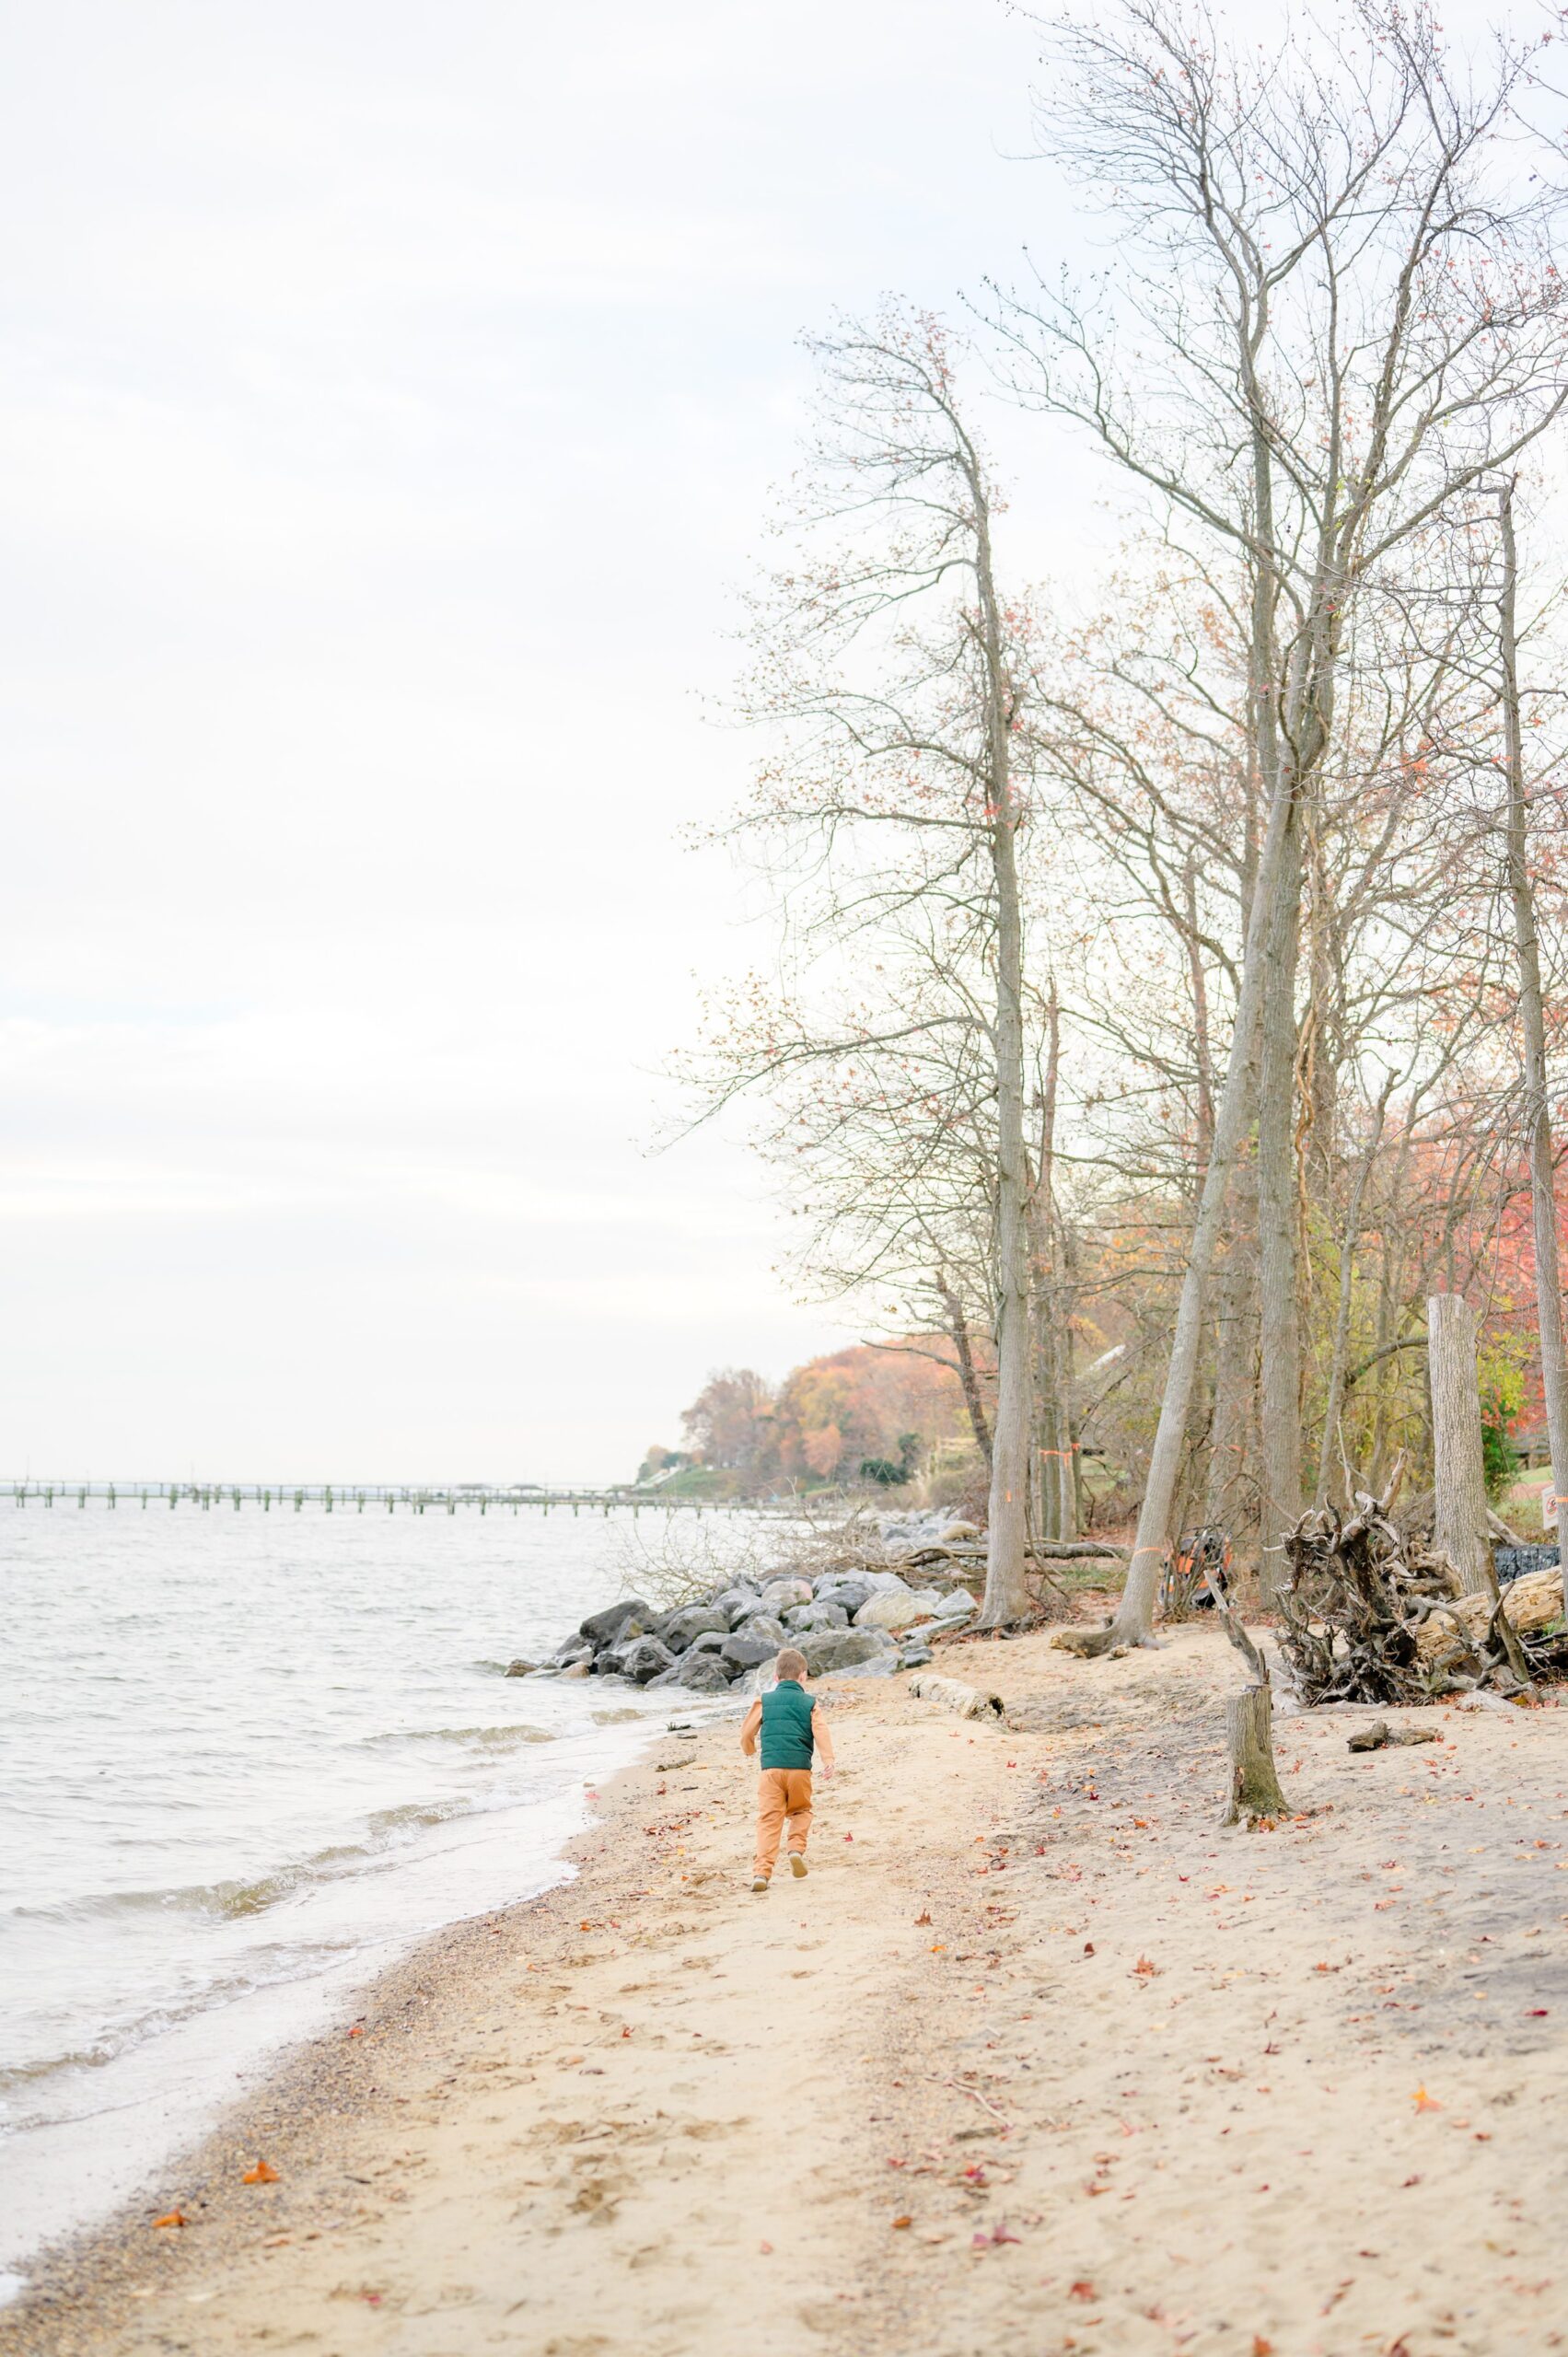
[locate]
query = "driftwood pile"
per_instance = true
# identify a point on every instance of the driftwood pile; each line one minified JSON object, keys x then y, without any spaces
{"x":1373,"y":1613}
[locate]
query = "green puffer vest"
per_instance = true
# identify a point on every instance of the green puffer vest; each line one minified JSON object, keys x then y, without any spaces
{"x":786,"y":1727}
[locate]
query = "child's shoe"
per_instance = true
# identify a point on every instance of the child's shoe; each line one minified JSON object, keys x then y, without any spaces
{"x":758,"y":1882}
{"x":797,"y":1865}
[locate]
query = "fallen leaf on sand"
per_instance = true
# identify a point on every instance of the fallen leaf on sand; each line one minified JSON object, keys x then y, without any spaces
{"x":923,"y":1919}
{"x":1088,"y":1947}
{"x":1003,"y":2234}
{"x":262,"y":2174}
{"x":1081,"y":2291}
{"x":1423,"y":2102}
{"x":905,"y":2220}
{"x":1261,"y":2348}
{"x":170,"y":2218}
{"x":356,"y":2031}
{"x":767,"y":2248}
{"x":1146,"y":1967}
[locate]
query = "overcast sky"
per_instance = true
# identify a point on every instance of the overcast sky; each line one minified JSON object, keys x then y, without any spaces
{"x":390,"y":394}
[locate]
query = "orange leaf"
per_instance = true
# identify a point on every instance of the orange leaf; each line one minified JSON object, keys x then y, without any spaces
{"x":1261,"y":2348}
{"x":357,"y":2031}
{"x":905,"y":2220}
{"x":1423,"y":2102}
{"x":170,"y":2218}
{"x":922,"y":1918}
{"x":1147,"y":1967}
{"x":1081,"y":2291}
{"x":262,"y":2174}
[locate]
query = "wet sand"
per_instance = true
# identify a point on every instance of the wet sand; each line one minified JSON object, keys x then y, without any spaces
{"x":1037,"y":2056}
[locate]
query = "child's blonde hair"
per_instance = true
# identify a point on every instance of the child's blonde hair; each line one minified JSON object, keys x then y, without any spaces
{"x":790,"y":1664}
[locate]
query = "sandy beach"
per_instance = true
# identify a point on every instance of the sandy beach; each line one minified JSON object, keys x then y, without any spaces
{"x":1036,"y":2056}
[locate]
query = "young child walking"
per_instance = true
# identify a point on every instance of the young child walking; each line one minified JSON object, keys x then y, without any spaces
{"x":792,"y":1730}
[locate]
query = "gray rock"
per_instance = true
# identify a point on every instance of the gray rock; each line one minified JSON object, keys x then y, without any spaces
{"x":710,"y":1641}
{"x":914,"y":1656}
{"x":606,"y":1628}
{"x":702,"y":1674}
{"x":739,"y":1603}
{"x":833,"y":1649}
{"x":844,"y":1588}
{"x":957,"y":1605}
{"x":761,"y":1625}
{"x":640,"y":1660}
{"x":747,"y":1649}
{"x":897,"y":1612}
{"x":884,"y":1665}
{"x":804,"y":1617}
{"x":695,"y":1620}
{"x":780,"y":1594}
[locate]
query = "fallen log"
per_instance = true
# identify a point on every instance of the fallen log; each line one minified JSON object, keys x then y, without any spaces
{"x":966,"y":1702}
{"x":1380,"y":1736}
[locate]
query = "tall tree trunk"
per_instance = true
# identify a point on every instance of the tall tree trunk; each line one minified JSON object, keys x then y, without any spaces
{"x":1460,"y":1525}
{"x":1052,"y":1438}
{"x":1134,"y":1623}
{"x":1334,"y":1401}
{"x":1278,"y":1227}
{"x":1532,"y":1025}
{"x":969,"y":1381}
{"x":1232,"y":1484}
{"x":1224,"y":1493}
{"x":1006,"y":1595}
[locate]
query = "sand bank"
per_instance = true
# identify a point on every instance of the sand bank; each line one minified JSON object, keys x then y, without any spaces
{"x":1037,"y":2058}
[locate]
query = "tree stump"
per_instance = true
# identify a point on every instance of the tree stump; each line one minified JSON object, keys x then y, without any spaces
{"x":1460,"y":1529}
{"x":1254,"y":1785}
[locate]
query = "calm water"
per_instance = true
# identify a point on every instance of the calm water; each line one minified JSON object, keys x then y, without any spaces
{"x":246,"y":1758}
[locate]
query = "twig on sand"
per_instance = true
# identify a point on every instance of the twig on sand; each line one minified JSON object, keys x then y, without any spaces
{"x":958,"y":2089}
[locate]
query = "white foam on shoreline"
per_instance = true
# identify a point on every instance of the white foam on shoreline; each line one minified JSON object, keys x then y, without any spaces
{"x":123,"y":2123}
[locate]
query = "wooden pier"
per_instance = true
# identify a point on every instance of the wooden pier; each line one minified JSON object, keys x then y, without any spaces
{"x":355,"y":1497}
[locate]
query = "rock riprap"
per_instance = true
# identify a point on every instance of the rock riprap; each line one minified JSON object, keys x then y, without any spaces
{"x":846,"y":1623}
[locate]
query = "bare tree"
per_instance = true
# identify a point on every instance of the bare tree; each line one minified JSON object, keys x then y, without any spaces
{"x":1341,"y":326}
{"x":1532,"y":1027}
{"x":893,"y":670}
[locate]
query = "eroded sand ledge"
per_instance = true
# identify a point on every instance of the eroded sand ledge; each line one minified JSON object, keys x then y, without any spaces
{"x":650,"y":2113}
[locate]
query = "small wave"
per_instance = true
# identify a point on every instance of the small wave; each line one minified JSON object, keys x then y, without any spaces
{"x":506,"y":1738}
{"x":235,"y":1898}
{"x":415,"y":1812}
{"x":192,"y":1899}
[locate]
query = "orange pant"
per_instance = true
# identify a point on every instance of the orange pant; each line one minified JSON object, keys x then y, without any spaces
{"x":783,"y":1792}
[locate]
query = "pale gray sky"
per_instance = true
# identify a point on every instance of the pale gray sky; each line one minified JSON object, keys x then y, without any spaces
{"x":391,"y":393}
{"x":389,"y":396}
